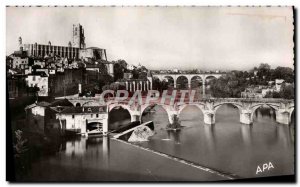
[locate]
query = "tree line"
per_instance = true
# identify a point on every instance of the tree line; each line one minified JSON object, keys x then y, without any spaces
{"x":235,"y":82}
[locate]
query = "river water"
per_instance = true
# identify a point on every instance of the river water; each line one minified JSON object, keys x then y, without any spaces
{"x":228,"y":146}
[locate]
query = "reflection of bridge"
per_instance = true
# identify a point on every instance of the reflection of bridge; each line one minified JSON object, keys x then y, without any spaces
{"x":189,"y":77}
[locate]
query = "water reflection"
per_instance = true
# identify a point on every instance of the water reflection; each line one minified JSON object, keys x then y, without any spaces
{"x":75,"y":147}
{"x":265,"y":112}
{"x":246,"y":131}
{"x":283,"y":135}
{"x":174,"y":136}
{"x":105,"y":151}
{"x":209,"y":132}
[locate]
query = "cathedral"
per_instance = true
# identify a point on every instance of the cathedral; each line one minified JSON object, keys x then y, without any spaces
{"x":74,"y":50}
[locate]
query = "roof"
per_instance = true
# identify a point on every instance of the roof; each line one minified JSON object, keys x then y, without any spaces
{"x":42,"y":104}
{"x":61,"y":102}
{"x":40,"y":73}
{"x":22,"y":54}
{"x":279,"y":81}
{"x":84,"y":110}
{"x":57,"y":108}
{"x":92,"y":66}
{"x":104,"y":61}
{"x":93,"y":48}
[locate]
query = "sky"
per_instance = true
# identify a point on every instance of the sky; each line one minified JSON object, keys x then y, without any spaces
{"x":206,"y":38}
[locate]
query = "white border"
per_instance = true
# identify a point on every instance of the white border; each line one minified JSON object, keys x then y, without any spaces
{"x":3,"y":3}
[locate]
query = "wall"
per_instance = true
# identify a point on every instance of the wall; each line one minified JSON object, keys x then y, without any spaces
{"x":79,"y":121}
{"x":66,"y":83}
{"x":40,"y":82}
{"x":36,"y":119}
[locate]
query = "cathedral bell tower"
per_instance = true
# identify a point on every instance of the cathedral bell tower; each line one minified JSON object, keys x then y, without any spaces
{"x":78,"y":36}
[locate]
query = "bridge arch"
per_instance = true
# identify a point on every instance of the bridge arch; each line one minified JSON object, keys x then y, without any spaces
{"x":256,"y":106}
{"x":182,"y":77}
{"x":198,"y":105}
{"x":195,"y":78}
{"x":225,"y":110}
{"x":164,"y":111}
{"x":124,"y":106}
{"x":169,"y":78}
{"x":210,"y":76}
{"x":119,"y":118}
{"x":237,"y":105}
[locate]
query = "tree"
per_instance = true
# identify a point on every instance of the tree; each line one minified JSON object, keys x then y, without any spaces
{"x":283,"y":73}
{"x":264,"y":73}
{"x":118,"y":71}
{"x":230,"y":85}
{"x":135,"y":73}
{"x":287,"y":91}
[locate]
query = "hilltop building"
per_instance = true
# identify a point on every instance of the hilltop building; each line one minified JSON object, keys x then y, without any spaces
{"x":74,"y":50}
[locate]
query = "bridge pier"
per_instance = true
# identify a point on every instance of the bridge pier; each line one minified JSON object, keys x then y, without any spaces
{"x":171,"y":116}
{"x":203,"y":88}
{"x":209,"y":117}
{"x":283,"y":117}
{"x":135,"y":118}
{"x":246,"y":117}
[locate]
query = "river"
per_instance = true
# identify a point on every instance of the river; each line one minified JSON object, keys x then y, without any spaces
{"x":227,"y":147}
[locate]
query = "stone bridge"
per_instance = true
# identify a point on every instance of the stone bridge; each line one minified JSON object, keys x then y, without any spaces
{"x":189,"y":77}
{"x":209,"y":107}
{"x":246,"y":107}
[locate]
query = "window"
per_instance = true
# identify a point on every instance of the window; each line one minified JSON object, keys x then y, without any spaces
{"x":91,"y":115}
{"x":33,"y":78}
{"x":97,"y":115}
{"x":73,"y":116}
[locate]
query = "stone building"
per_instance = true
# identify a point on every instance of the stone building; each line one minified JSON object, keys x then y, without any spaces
{"x":17,"y":86}
{"x":82,"y":119}
{"x":18,"y":60}
{"x":35,"y":116}
{"x":278,"y":84}
{"x":94,"y":53}
{"x":74,"y":50}
{"x":39,"y":80}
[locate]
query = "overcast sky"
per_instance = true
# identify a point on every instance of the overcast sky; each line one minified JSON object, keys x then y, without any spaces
{"x":208,"y":38}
